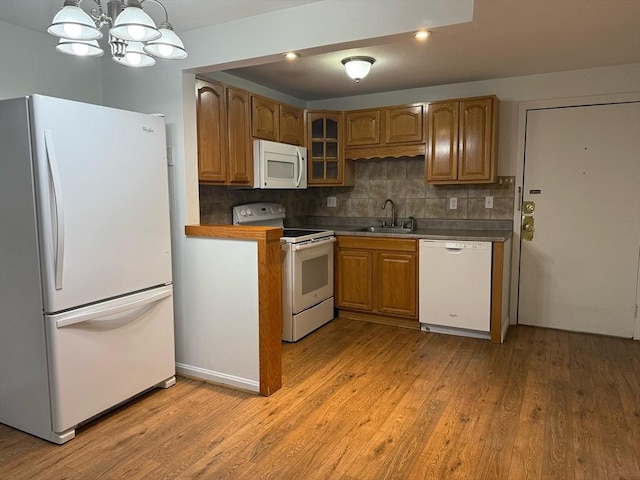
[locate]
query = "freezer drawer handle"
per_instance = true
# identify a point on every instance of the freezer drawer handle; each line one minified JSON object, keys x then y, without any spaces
{"x":107,"y":314}
{"x":59,"y":211}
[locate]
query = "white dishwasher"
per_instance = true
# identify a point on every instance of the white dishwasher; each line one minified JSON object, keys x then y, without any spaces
{"x":455,"y":287}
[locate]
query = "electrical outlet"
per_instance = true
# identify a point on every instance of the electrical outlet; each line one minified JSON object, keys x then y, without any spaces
{"x":332,"y":202}
{"x":505,"y":180}
{"x":453,"y":203}
{"x":488,"y":202}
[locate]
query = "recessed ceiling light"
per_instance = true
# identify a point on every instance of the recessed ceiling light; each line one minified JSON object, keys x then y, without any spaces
{"x":291,"y":55}
{"x":422,"y":34}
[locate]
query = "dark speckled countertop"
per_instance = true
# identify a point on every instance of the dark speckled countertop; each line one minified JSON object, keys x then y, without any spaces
{"x":471,"y":230}
{"x":435,"y":234}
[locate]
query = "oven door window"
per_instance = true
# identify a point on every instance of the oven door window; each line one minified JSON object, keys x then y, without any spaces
{"x":312,"y":276}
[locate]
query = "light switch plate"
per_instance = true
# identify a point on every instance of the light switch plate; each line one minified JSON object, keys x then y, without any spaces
{"x":453,"y":203}
{"x":488,"y":202}
{"x":332,"y":202}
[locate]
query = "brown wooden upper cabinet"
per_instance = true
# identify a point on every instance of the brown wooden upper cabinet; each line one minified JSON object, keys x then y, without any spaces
{"x":462,"y":141}
{"x":396,"y":131}
{"x":325,"y":157}
{"x":225,"y":154}
{"x":278,"y":122}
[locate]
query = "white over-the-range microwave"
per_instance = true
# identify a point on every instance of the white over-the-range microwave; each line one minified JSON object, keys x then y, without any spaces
{"x":279,"y":165}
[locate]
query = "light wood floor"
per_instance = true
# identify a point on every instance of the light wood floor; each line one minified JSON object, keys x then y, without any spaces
{"x":366,"y":401}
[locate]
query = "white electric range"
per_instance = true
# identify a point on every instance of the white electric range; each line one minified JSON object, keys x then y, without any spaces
{"x":307,"y":269}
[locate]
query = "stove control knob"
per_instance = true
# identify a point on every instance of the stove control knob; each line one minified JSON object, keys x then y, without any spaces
{"x":249,"y":212}
{"x":280,"y":209}
{"x":243,"y":212}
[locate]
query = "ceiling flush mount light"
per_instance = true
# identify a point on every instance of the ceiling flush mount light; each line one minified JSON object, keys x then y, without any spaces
{"x":358,"y":67}
{"x":422,"y":35}
{"x":134,"y":39}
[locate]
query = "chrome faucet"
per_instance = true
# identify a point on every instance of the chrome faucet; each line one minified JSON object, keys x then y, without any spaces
{"x":394,"y":217}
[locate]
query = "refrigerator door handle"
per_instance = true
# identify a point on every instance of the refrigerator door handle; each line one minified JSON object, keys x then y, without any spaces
{"x":107,"y":314}
{"x":59,"y":211}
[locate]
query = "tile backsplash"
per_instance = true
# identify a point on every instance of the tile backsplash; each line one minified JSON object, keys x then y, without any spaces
{"x":401,"y":180}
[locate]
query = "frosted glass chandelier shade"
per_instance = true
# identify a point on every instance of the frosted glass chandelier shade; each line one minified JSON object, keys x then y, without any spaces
{"x":73,"y":22}
{"x":358,"y":67}
{"x":168,"y":46}
{"x":135,"y":56}
{"x":79,"y":48}
{"x":135,"y":25}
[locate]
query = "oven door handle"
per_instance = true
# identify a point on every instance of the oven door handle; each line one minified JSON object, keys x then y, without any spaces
{"x":306,"y":246}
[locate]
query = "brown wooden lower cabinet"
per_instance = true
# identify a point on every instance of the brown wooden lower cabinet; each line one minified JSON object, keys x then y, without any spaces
{"x":377,"y":279}
{"x":396,"y":283}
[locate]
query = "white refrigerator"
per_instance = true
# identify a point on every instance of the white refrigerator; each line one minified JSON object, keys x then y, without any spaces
{"x":86,"y":307}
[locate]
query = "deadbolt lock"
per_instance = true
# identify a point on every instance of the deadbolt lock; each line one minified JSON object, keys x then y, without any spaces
{"x":527,"y":228}
{"x":528,"y":208}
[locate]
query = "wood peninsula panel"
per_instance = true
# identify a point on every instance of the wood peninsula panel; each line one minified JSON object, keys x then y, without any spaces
{"x":269,"y":294}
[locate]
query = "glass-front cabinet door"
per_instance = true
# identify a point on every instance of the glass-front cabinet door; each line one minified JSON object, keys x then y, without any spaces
{"x":324,"y":144}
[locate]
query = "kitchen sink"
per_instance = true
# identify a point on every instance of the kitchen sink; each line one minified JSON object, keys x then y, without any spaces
{"x":373,"y":229}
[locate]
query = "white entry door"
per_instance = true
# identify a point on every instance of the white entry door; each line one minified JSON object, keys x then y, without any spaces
{"x":582,"y":171}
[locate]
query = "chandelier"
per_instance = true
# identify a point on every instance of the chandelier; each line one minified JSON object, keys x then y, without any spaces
{"x":134,"y":39}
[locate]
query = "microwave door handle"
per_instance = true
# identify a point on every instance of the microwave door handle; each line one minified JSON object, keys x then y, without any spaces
{"x":299,"y":167}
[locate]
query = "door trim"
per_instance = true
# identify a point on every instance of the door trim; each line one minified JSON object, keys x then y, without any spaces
{"x":523,"y":109}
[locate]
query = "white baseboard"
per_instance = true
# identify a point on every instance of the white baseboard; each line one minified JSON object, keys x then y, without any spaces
{"x":218,"y":377}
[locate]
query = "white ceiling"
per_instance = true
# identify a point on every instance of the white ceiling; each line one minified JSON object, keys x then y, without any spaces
{"x":184,"y":15}
{"x":506,"y":38}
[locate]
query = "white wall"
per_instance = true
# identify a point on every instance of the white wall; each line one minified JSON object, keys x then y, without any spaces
{"x":220,"y":342}
{"x":29,"y":64}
